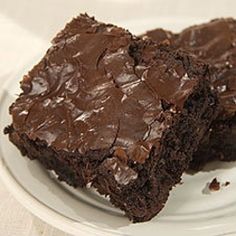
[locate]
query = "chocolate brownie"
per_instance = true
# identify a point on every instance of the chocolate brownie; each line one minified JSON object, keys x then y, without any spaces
{"x":109,"y":110}
{"x":213,"y":42}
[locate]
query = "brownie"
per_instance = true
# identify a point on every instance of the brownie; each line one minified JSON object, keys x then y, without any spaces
{"x":106,"y":109}
{"x":213,"y":42}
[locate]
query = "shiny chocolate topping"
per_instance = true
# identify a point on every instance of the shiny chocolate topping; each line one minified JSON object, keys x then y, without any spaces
{"x":215,"y":43}
{"x":99,"y":87}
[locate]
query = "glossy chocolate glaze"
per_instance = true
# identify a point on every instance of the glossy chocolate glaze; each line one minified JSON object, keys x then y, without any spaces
{"x":215,"y":43}
{"x":90,"y":92}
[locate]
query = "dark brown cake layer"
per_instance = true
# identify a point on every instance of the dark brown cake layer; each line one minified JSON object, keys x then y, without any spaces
{"x":111,"y":110}
{"x":215,"y":43}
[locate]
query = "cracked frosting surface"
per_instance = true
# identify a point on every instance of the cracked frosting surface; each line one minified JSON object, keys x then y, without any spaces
{"x":90,"y":93}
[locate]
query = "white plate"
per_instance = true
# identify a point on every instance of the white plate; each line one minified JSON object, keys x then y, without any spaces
{"x":81,"y":212}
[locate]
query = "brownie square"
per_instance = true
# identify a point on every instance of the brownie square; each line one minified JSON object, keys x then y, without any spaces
{"x":213,"y":42}
{"x":109,"y":110}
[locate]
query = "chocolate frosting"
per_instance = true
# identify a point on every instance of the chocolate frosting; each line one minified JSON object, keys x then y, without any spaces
{"x":215,"y":43}
{"x":97,"y":88}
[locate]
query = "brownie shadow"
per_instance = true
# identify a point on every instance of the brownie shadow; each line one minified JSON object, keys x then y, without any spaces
{"x":214,"y":165}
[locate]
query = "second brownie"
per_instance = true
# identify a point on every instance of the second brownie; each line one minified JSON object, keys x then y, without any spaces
{"x":215,"y":43}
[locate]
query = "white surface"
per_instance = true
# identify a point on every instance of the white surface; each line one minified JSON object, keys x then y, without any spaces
{"x":17,"y":221}
{"x":26,"y":28}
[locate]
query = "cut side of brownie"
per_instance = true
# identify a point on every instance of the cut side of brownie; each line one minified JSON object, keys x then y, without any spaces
{"x":109,"y":110}
{"x":215,"y":43}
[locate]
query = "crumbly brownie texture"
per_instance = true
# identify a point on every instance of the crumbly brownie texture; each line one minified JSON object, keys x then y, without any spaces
{"x":106,"y":109}
{"x":214,"y":185}
{"x":215,"y":43}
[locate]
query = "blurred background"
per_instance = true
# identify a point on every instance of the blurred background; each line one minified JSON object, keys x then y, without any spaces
{"x":28,"y":25}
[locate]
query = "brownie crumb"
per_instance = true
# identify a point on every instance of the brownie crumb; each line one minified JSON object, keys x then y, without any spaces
{"x":214,"y":185}
{"x":227,"y":183}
